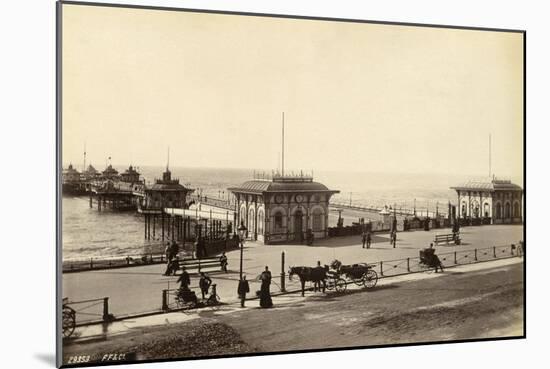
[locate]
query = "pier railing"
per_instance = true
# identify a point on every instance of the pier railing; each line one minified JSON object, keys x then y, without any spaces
{"x":211,"y":247}
{"x":112,"y":262}
{"x":215,"y":202}
{"x":400,"y":211}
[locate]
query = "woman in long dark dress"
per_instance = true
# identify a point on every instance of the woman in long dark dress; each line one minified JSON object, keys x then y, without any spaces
{"x":265,"y":295}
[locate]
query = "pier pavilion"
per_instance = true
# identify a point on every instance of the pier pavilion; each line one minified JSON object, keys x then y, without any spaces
{"x":71,"y":175}
{"x":110,"y":173}
{"x":131,"y":175}
{"x":91,"y":173}
{"x":283,"y":208}
{"x":72,"y":182}
{"x":491,"y":201}
{"x":166,"y":193}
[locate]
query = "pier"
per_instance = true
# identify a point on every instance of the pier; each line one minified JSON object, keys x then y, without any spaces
{"x":182,"y":225}
{"x":115,"y":195}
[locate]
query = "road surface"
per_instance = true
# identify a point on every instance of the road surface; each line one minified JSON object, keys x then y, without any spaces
{"x":479,"y":304}
{"x":486,"y":302}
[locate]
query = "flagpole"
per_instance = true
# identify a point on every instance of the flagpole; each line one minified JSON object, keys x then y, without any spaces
{"x":283,"y":148}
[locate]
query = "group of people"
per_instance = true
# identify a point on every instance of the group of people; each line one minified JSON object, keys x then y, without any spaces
{"x":205,"y":282}
{"x":366,"y":239}
{"x":264,"y":293}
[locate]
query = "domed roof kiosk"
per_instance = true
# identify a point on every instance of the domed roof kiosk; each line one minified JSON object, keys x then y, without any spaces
{"x":282,"y":208}
{"x":489,"y":201}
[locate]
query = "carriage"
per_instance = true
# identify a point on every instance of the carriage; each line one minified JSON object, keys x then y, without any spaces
{"x":186,"y":299}
{"x":339,"y":275}
{"x":429,"y":260}
{"x":336,"y":276}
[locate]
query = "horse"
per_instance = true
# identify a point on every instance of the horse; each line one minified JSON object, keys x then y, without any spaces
{"x":316,"y":275}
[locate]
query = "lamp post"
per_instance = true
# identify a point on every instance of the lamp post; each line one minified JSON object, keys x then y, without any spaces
{"x":242,"y":232}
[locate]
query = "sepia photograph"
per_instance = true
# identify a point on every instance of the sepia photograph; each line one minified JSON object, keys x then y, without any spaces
{"x":236,"y":184}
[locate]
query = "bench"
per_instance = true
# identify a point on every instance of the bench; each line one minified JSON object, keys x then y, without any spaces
{"x":201,"y":264}
{"x":447,"y":238}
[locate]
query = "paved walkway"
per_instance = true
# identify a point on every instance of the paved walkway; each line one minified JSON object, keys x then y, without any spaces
{"x":282,"y":302}
{"x":139,"y":289}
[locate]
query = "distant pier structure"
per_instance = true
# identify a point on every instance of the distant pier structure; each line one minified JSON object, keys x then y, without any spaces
{"x":490,"y":201}
{"x":283,"y":208}
{"x":116,"y":191}
{"x":166,"y":193}
{"x":72,"y":182}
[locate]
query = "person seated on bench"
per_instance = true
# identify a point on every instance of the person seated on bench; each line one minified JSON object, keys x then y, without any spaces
{"x":435,"y":262}
{"x":428,"y":257}
{"x":187,"y":295}
{"x":172,"y":266}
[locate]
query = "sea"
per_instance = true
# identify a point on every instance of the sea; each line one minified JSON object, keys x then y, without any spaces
{"x":87,"y":233}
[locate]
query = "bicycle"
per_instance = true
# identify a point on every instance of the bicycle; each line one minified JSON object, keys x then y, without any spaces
{"x":68,"y":319}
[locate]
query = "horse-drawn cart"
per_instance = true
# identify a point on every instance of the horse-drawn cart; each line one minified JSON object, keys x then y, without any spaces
{"x":362,"y":274}
{"x":336,"y":276}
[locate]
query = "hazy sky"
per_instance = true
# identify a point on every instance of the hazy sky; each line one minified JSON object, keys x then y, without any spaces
{"x":356,"y":96}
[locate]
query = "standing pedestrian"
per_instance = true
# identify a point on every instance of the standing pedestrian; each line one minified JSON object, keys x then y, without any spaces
{"x":174,"y":249}
{"x":394,"y":238}
{"x":318,"y":275}
{"x":364,"y":239}
{"x":265,"y":295}
{"x":204,"y":284}
{"x":521,"y":248}
{"x":184,"y":280}
{"x":175,"y":265}
{"x":368,"y":239}
{"x":168,"y":253}
{"x":223,"y":262}
{"x":243,"y":289}
{"x":199,"y":248}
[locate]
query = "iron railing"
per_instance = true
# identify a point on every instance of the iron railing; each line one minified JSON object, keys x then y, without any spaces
{"x":392,"y":268}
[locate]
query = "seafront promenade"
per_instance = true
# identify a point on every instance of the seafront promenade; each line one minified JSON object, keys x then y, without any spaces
{"x":139,"y":289}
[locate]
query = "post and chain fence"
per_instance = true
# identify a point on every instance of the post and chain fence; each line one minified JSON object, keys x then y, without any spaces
{"x":97,"y":310}
{"x":89,"y":311}
{"x":392,"y":268}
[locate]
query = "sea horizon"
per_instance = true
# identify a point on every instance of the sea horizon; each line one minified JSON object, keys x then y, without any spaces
{"x":89,"y":233}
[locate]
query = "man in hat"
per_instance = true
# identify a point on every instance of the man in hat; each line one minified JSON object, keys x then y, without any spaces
{"x":184,"y":279}
{"x":243,"y":289}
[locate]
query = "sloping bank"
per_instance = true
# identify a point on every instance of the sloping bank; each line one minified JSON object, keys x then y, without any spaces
{"x":196,"y":338}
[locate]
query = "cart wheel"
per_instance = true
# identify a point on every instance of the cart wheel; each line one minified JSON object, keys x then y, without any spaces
{"x":370,"y":278}
{"x":340,"y":285}
{"x":68,"y":322}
